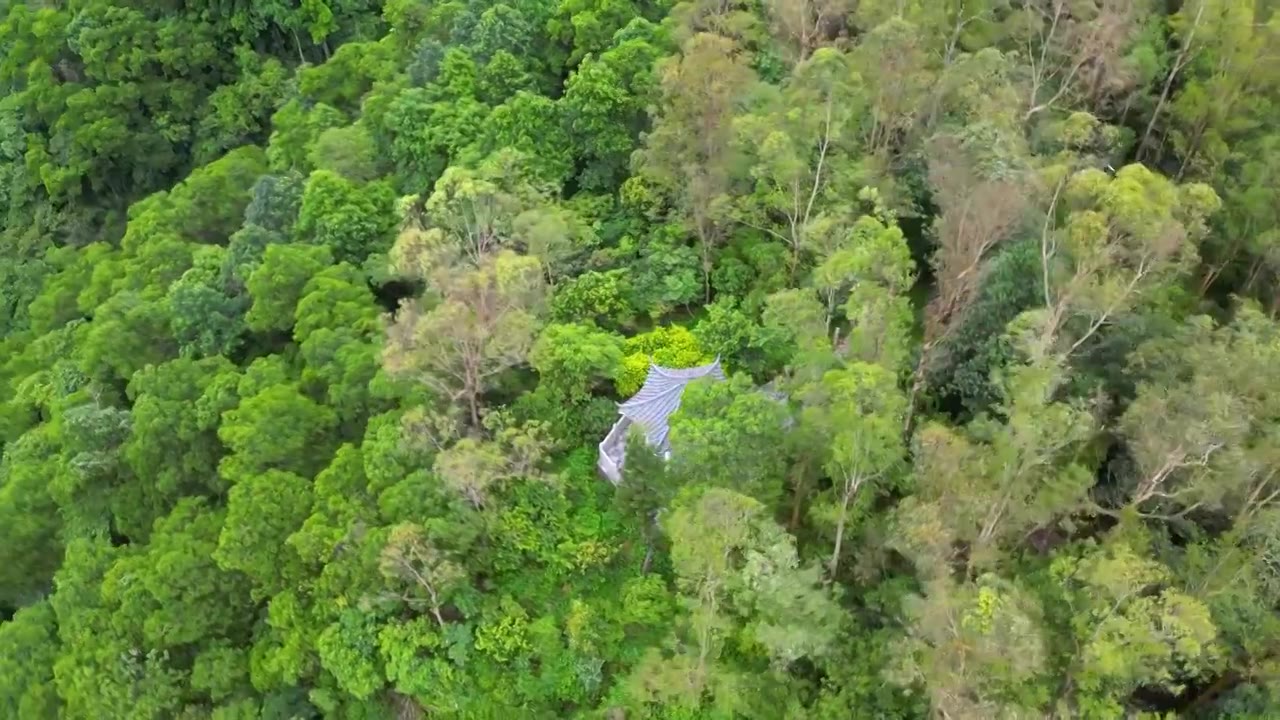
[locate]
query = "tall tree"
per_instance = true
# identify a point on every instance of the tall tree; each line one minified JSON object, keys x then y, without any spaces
{"x":861,"y":409}
{"x":689,"y":152}
{"x":800,"y":160}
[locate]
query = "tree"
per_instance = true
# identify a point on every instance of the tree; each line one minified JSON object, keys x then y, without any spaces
{"x":336,"y":297}
{"x":868,"y":269}
{"x":575,"y":359}
{"x":647,"y":490}
{"x":895,"y":67}
{"x":793,"y":190}
{"x":32,"y":550}
{"x":277,"y":284}
{"x":1194,"y":432}
{"x":731,"y":435}
{"x":262,"y":512}
{"x":733,"y":564}
{"x":410,"y":559}
{"x":672,"y":346}
{"x":800,"y":318}
{"x":978,"y":649}
{"x":860,"y":408}
{"x":999,"y":480}
{"x":604,"y":103}
{"x":275,"y":428}
{"x":353,"y":221}
{"x":534,"y":126}
{"x":688,"y":153}
{"x":978,"y":212}
{"x":206,"y":313}
{"x":598,"y":297}
{"x":983,"y":203}
{"x":1136,"y":628}
{"x":490,"y":297}
{"x":1124,"y":235}
{"x":474,"y":468}
{"x":1221,"y":60}
{"x":173,"y":441}
{"x":1081,"y":53}
{"x":804,"y":25}
{"x":348,"y":151}
{"x":485,"y":324}
{"x":26,"y":683}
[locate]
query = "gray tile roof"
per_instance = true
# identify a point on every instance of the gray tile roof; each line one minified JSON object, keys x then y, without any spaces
{"x":660,"y":396}
{"x":650,"y":408}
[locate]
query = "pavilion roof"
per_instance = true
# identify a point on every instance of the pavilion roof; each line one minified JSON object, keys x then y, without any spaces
{"x":660,"y":396}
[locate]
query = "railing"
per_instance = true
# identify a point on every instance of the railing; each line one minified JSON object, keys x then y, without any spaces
{"x":613,"y":451}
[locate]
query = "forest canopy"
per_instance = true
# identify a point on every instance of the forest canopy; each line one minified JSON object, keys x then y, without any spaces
{"x":312,"y":315}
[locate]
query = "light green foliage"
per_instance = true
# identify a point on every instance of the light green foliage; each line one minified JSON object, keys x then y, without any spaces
{"x":599,"y":297}
{"x":1135,"y":630}
{"x":276,"y":428}
{"x":978,"y":648}
{"x":731,"y":435}
{"x":348,"y":649}
{"x":295,"y":128}
{"x":343,"y":79}
{"x":26,"y":671}
{"x":574,"y":359}
{"x":605,"y":100}
{"x":533,"y":125}
{"x":206,"y":318}
{"x":262,"y":511}
{"x":795,"y":320}
{"x":208,"y":205}
{"x":870,"y":253}
{"x":353,"y":221}
{"x":734,"y":565}
{"x":277,"y":283}
{"x":1195,"y":430}
{"x":337,"y":297}
{"x":173,"y":440}
{"x":348,"y":151}
{"x":672,"y":346}
{"x":860,"y":409}
{"x":127,"y":334}
{"x":31,"y":548}
{"x":793,"y":188}
{"x":1001,"y":479}
{"x":731,"y":334}
{"x":1125,"y":233}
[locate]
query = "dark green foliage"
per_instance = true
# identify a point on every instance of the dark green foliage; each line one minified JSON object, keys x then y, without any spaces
{"x":979,"y":345}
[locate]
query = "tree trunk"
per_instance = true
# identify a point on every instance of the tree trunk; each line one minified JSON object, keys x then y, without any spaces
{"x":1178,"y":64}
{"x":473,"y":402}
{"x":917,"y":389}
{"x":797,"y":492}
{"x":850,"y":489}
{"x":706,"y":277}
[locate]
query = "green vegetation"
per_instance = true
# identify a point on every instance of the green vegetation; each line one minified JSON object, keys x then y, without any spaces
{"x":312,"y":314}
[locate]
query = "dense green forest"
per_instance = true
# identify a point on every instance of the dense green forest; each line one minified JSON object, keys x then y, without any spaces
{"x":313,"y":313}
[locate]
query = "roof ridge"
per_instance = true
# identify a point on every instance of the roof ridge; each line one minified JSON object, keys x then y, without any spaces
{"x":685,"y":373}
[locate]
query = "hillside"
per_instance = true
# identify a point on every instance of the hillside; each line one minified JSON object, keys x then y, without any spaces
{"x":313,"y":315}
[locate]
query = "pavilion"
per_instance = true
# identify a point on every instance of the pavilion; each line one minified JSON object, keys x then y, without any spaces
{"x":650,"y":408}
